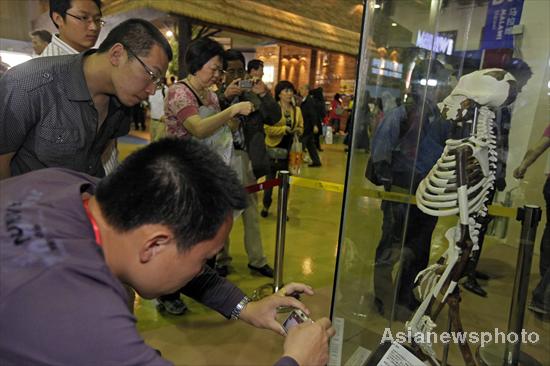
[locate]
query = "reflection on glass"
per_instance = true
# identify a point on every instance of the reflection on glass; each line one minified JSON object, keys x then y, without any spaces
{"x":307,"y":266}
{"x":451,"y":82}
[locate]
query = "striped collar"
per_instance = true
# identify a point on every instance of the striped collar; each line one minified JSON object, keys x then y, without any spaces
{"x":58,"y":48}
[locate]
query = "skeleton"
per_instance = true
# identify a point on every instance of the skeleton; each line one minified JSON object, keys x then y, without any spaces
{"x":460,"y":183}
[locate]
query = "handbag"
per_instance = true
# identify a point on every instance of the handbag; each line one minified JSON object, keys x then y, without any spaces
{"x":277,"y":153}
{"x":370,"y":173}
{"x":295,"y":156}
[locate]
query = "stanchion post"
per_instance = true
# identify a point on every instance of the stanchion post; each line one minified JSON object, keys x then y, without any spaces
{"x":509,"y":354}
{"x":282,"y":202}
{"x":529,"y":217}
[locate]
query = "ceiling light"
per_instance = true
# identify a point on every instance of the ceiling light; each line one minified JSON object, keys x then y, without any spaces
{"x":430,"y":82}
{"x":394,"y":24}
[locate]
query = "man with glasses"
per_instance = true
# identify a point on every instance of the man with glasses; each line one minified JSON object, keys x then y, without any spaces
{"x":64,"y":111}
{"x":79,"y":23}
{"x":249,"y":159}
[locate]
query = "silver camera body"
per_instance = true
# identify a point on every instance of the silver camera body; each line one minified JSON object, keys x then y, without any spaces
{"x":246,"y":84}
{"x":295,"y":317}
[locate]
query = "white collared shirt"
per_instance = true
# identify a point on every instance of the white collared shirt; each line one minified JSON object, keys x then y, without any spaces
{"x":156,"y":102}
{"x":58,"y":48}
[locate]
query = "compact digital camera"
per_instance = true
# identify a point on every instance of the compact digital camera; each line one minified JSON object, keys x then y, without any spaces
{"x":246,"y":84}
{"x":295,"y":317}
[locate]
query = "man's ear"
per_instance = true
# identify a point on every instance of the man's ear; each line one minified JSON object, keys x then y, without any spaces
{"x":57,"y":19}
{"x":116,"y":54}
{"x":154,"y":244}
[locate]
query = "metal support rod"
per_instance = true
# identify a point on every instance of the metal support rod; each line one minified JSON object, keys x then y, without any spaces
{"x":474,"y":121}
{"x":445,"y":357}
{"x":282,"y":202}
{"x":529,"y":217}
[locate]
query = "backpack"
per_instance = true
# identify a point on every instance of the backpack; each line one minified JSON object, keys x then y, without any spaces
{"x":420,"y":144}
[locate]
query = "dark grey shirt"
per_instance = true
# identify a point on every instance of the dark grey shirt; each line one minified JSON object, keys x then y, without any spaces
{"x":60,"y":304}
{"x":48,"y":118}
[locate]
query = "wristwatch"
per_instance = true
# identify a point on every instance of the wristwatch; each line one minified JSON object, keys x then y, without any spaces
{"x":236,"y":313}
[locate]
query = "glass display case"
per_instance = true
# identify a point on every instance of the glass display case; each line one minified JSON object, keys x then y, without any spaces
{"x":450,"y":96}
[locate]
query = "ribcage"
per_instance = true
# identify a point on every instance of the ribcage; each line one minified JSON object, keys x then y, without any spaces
{"x":437,"y":193}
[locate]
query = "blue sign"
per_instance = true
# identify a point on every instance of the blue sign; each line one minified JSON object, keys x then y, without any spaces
{"x":502,"y":15}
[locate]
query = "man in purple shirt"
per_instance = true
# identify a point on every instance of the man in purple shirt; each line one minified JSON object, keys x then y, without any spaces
{"x":69,"y":241}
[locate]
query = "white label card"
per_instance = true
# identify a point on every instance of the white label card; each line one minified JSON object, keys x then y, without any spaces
{"x":335,"y":350}
{"x":397,"y":355}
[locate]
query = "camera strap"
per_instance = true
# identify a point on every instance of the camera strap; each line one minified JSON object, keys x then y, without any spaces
{"x":195,"y":94}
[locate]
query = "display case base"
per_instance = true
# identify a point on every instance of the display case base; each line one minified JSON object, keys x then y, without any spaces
{"x":494,"y":355}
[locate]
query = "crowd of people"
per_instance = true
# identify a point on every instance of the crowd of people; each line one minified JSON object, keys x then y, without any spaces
{"x":82,"y":235}
{"x":83,"y":231}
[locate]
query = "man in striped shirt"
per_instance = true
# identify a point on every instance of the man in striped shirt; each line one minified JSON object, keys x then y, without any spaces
{"x":79,"y":23}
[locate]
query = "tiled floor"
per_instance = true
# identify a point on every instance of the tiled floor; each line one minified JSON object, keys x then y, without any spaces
{"x":202,"y":337}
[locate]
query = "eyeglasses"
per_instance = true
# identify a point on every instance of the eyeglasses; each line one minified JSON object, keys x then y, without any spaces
{"x":88,"y":19}
{"x":237,"y":72}
{"x":218,"y":70}
{"x":155,"y":78}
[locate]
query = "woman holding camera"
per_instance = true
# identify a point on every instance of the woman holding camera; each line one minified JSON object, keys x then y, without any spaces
{"x":278,"y":137}
{"x":192,"y":109}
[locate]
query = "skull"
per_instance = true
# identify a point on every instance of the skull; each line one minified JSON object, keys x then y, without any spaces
{"x":492,"y":88}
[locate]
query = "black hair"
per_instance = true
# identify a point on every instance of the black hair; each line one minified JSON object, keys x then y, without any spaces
{"x":199,"y":52}
{"x":42,"y":34}
{"x":137,"y":34}
{"x":520,"y":70}
{"x":282,"y":85}
{"x":179,"y":183}
{"x":318,"y":94}
{"x":254,"y":65}
{"x":337,"y":96}
{"x":232,"y":55}
{"x":434,"y":67}
{"x":61,"y":6}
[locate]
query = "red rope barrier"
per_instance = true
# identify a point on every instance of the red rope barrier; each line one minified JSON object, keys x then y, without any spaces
{"x":264,"y":185}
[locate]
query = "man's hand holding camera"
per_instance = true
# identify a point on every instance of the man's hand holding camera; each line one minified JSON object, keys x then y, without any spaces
{"x":263,"y":313}
{"x":307,"y":343}
{"x":239,"y":86}
{"x":233,"y":90}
